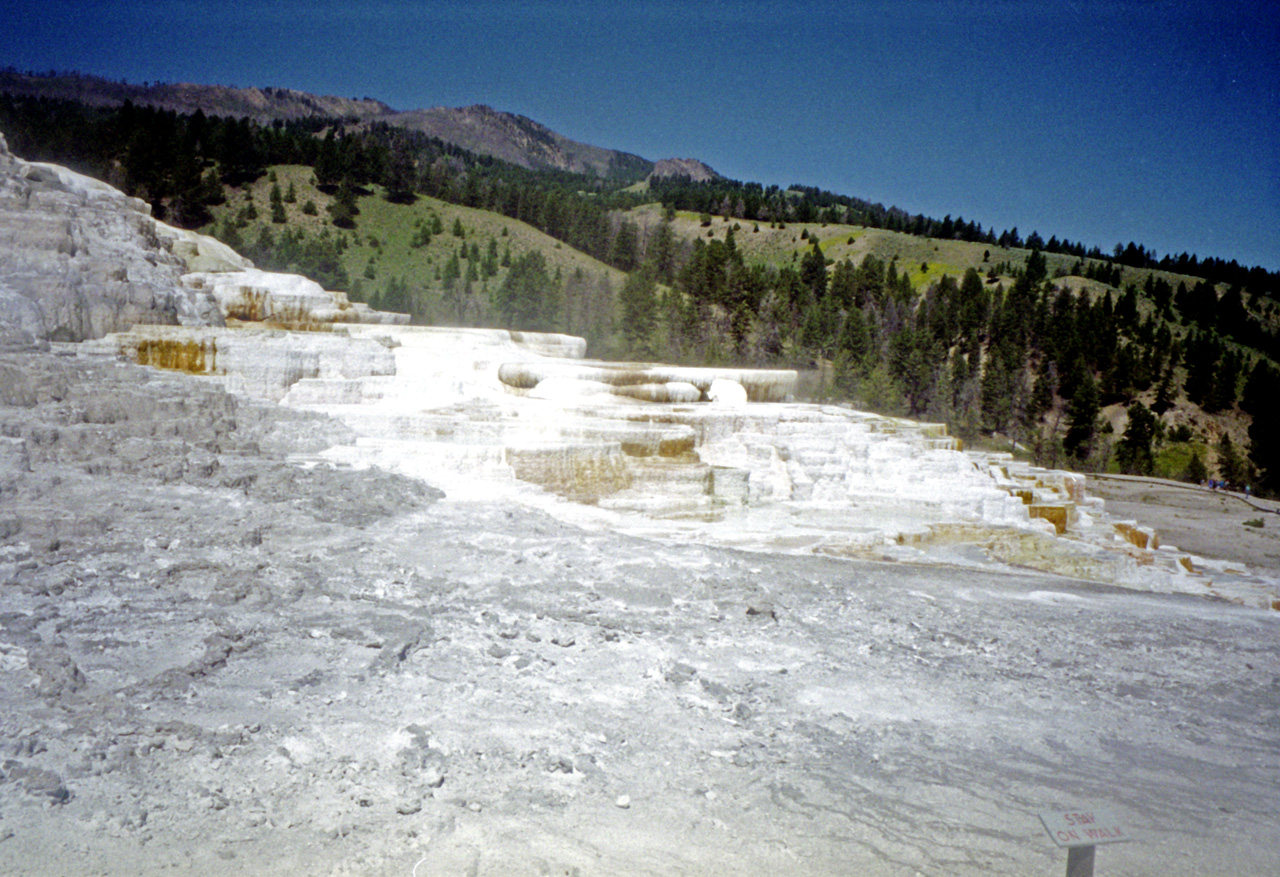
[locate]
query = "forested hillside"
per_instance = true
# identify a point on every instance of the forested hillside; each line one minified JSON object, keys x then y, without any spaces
{"x":1079,"y":357}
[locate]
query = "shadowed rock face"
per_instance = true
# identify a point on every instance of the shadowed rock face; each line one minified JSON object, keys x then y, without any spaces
{"x":90,"y":258}
{"x":683,"y":167}
{"x":82,"y":260}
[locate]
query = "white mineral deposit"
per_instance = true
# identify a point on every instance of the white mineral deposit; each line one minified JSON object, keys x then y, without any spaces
{"x":379,"y":599}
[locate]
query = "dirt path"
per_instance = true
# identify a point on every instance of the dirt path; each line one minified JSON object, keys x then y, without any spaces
{"x":1196,"y":519}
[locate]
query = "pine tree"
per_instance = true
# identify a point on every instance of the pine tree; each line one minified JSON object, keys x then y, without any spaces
{"x":1134,"y":450}
{"x":230,"y":233}
{"x":278,"y":215}
{"x":1260,"y":397}
{"x":1196,"y":472}
{"x":452,"y":272}
{"x":1165,"y":396}
{"x":639,"y":303}
{"x":1231,"y":466}
{"x":997,"y":390}
{"x":329,"y":168}
{"x":400,"y":178}
{"x":1041,"y":401}
{"x":813,"y":271}
{"x":1222,"y":395}
{"x":1202,"y":367}
{"x":624,"y":254}
{"x":879,"y":391}
{"x":528,"y":298}
{"x":343,"y":210}
{"x":490,"y":264}
{"x":660,"y":253}
{"x":1082,"y":420}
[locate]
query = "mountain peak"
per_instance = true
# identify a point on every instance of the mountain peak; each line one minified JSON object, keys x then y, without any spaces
{"x":695,"y":170}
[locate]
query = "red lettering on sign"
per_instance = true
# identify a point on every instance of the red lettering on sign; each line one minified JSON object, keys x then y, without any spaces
{"x":1083,"y":827}
{"x":1100,"y":833}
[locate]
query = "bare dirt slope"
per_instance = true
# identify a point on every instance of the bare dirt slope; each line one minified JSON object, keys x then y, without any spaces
{"x":215,"y":662}
{"x":1207,"y":522}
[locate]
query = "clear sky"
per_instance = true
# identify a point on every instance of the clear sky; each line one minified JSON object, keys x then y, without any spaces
{"x":1102,"y":121}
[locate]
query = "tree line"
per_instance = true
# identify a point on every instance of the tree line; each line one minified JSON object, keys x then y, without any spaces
{"x":807,"y":204}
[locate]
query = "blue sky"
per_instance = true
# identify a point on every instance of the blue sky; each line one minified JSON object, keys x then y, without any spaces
{"x":1101,"y":122}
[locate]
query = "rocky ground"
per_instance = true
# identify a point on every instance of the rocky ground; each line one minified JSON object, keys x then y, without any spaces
{"x":213,"y":661}
{"x":1212,"y":523}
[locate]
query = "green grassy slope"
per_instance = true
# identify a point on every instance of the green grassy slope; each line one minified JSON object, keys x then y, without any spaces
{"x":925,"y":259}
{"x":381,"y":242}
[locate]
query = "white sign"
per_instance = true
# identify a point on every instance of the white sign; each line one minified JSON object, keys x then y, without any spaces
{"x":1080,"y":828}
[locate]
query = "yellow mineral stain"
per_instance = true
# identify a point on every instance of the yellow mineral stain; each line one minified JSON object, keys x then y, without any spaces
{"x":1132,"y":534}
{"x":583,"y":475}
{"x":1054,"y":514}
{"x":192,"y":357}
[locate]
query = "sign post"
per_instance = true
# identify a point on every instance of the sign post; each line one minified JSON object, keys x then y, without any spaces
{"x":1080,"y":831}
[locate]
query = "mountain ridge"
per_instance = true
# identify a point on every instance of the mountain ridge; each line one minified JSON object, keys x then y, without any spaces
{"x":478,"y":128}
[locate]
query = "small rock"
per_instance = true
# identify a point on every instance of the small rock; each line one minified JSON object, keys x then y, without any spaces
{"x":499,"y":652}
{"x":409,"y":806}
{"x":432,"y":776}
{"x":623,"y":802}
{"x":474,"y":807}
{"x":680,"y":673}
{"x":36,"y":781}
